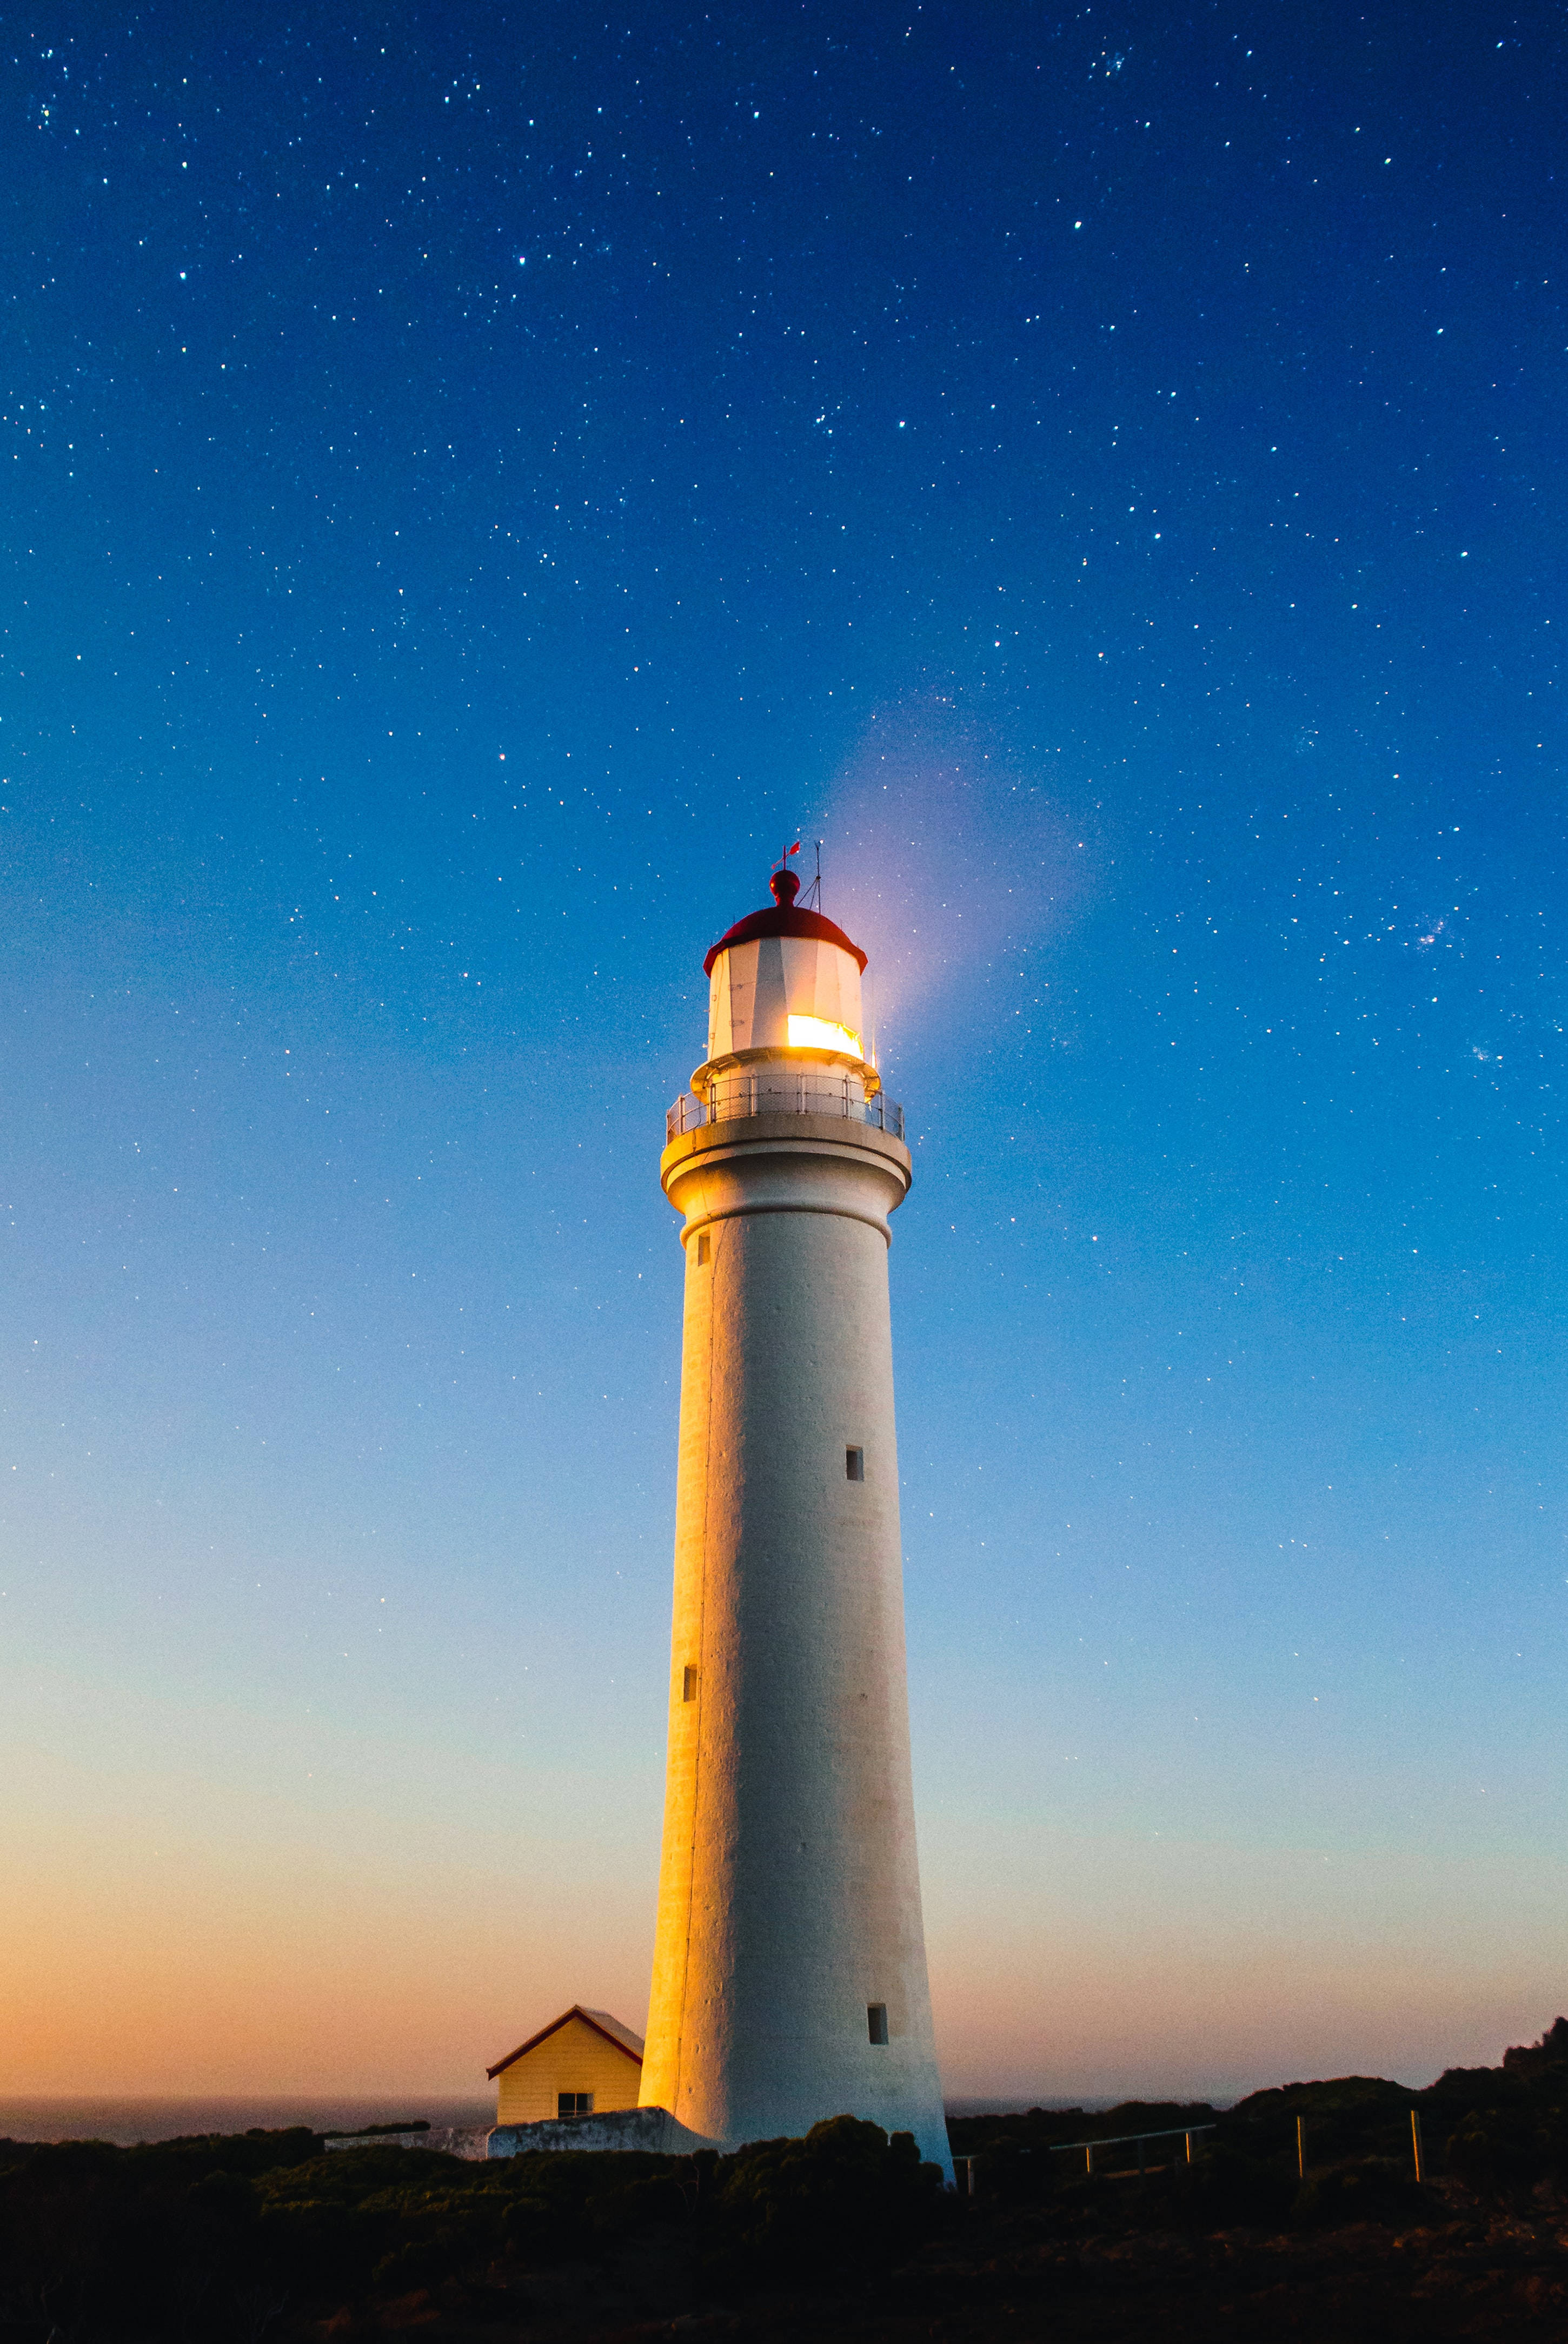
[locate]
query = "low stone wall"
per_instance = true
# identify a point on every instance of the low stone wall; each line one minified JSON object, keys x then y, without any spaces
{"x":447,"y":2140}
{"x":646,"y":2128}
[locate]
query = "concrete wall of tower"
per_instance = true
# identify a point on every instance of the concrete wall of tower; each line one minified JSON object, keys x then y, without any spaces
{"x":789,"y":1901}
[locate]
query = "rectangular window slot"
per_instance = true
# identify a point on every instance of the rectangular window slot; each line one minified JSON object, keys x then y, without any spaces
{"x":876,"y":2021}
{"x":574,"y":2104}
{"x":688,"y":1685}
{"x":855,"y":1464}
{"x":702,"y":1249}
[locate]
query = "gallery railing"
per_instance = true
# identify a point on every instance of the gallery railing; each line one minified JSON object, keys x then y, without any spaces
{"x":775,"y":1090}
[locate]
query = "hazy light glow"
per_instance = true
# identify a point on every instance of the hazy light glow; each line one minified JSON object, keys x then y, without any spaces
{"x":822,"y":1034}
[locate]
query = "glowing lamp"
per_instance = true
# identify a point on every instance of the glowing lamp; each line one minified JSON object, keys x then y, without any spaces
{"x":823,"y":1033}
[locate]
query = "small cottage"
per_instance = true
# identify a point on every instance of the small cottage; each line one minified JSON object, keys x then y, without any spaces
{"x":582,"y":2063}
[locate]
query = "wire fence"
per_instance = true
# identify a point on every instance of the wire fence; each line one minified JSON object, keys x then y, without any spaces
{"x":968,"y":2169}
{"x":1138,"y":2140}
{"x":969,"y":2174}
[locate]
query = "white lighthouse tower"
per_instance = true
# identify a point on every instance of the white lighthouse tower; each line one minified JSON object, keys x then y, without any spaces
{"x":790,"y":1967}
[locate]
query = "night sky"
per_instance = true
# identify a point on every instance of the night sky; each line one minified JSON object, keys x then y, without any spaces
{"x":477,"y":484}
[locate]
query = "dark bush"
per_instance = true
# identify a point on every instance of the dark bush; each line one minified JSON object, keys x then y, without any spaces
{"x":155,"y":2242}
{"x":1552,"y":2051}
{"x":420,"y":2263}
{"x":319,"y":2246}
{"x":372,"y":2132}
{"x":845,"y":2196}
{"x":1499,"y":2150}
{"x":1225,"y":2188}
{"x":626,"y":2207}
{"x":531,"y":2231}
{"x":1374,"y":2189}
{"x":1345,"y":2118}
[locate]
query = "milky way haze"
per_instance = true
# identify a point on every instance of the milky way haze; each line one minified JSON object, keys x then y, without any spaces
{"x":475,"y":486}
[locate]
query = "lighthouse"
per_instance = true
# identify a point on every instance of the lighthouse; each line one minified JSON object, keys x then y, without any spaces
{"x":790,"y":1964}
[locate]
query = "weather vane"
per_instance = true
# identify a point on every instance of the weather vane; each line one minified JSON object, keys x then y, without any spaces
{"x":813,"y":894}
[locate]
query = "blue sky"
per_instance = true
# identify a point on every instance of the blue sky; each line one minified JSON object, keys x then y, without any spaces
{"x":476,"y":486}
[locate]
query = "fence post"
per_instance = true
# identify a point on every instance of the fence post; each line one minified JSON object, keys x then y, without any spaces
{"x":1188,"y":2138}
{"x":1416,"y":2141}
{"x":1300,"y":2149}
{"x":1088,"y":2156}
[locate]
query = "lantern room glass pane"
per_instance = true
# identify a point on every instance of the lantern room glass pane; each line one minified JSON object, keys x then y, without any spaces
{"x":823,"y":1033}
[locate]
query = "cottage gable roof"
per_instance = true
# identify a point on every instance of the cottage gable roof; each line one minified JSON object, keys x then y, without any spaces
{"x":600,"y":2020}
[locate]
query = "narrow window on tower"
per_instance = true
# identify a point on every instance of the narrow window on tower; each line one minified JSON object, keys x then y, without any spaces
{"x":855,"y":1464}
{"x":574,"y":2104}
{"x":702,"y":1249}
{"x":876,"y":2021}
{"x":688,"y":1685}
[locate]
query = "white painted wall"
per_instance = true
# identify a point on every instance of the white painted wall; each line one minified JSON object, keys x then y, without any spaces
{"x":789,"y":1892}
{"x":755,"y":987}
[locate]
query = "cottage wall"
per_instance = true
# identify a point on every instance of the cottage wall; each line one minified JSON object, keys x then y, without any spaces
{"x":575,"y":2058}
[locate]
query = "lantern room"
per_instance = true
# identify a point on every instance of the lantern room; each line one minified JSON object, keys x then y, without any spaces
{"x":785,"y":979}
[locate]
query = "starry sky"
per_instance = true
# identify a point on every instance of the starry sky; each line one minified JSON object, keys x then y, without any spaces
{"x":477,"y":483}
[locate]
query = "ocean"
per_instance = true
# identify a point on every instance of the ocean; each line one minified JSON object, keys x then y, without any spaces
{"x":126,"y":2121}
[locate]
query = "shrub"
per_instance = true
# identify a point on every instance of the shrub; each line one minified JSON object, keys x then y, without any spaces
{"x":1225,"y":2187}
{"x":1552,"y":2051}
{"x":845,"y":2195}
{"x":1375,"y":2190}
{"x":1496,"y":2150}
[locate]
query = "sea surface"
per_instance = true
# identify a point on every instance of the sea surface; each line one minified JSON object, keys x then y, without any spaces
{"x":1053,"y":2103}
{"x":125,"y":2122}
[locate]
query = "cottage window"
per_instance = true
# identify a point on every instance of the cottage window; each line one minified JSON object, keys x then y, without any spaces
{"x":574,"y":2104}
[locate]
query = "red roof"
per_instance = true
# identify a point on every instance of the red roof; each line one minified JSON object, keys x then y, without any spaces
{"x":783,"y":918}
{"x":600,"y":2020}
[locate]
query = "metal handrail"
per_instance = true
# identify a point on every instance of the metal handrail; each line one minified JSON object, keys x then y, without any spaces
{"x":775,"y":1091}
